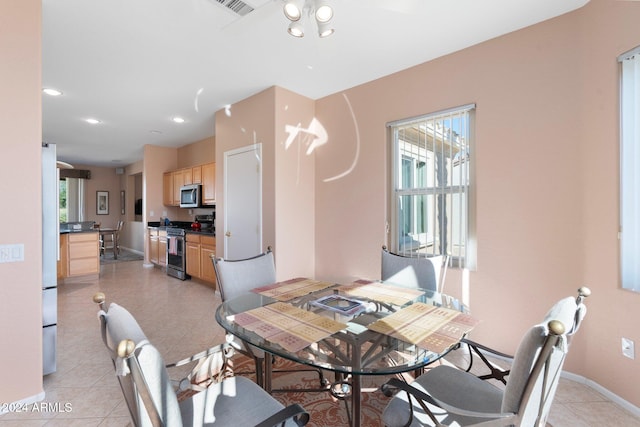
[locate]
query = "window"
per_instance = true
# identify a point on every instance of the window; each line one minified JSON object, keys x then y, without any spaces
{"x":630,"y":169}
{"x":72,"y":199}
{"x":430,"y":198}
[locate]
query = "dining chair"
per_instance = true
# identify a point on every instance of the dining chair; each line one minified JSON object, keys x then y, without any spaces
{"x":425,"y":272}
{"x":111,"y":241}
{"x":238,"y":277}
{"x":446,"y":395}
{"x":152,"y":398}
{"x":562,"y":310}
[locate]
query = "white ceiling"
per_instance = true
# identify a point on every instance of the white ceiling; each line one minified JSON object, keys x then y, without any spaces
{"x":135,"y":64}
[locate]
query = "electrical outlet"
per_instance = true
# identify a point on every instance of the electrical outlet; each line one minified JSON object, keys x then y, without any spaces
{"x":628,"y":348}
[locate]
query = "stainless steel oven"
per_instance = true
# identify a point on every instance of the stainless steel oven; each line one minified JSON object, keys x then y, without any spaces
{"x":176,"y":253}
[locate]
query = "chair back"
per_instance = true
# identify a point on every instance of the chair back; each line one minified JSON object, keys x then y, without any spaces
{"x":238,"y":277}
{"x":118,"y":324}
{"x":155,"y":398}
{"x":423,"y":273}
{"x":570,"y":311}
{"x":538,"y":362}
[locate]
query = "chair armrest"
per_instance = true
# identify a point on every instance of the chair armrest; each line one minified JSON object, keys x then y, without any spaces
{"x":485,"y":348}
{"x":226,"y":349}
{"x":211,"y":367}
{"x":296,"y":412}
{"x":496,"y":373}
{"x":424,"y":397}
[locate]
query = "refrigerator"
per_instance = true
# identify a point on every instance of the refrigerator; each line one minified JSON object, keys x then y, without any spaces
{"x":50,"y":249}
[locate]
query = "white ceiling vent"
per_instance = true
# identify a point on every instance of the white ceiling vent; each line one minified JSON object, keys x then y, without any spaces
{"x":237,"y":6}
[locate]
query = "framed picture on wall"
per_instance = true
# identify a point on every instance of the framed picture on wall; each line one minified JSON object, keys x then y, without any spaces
{"x":102,"y":202}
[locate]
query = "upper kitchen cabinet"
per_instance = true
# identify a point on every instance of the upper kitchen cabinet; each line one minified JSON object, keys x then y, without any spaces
{"x":167,"y":189}
{"x":209,"y":184}
{"x":178,"y":181}
{"x":196,"y":175}
{"x":201,"y":174}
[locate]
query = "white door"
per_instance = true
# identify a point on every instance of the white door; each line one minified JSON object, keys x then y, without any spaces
{"x":243,"y":202}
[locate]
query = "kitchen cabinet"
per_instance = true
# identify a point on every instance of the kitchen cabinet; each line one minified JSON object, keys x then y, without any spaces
{"x":196,"y":175}
{"x":199,"y":249}
{"x":157,"y":246}
{"x":202,"y":174}
{"x":63,"y":261}
{"x":209,"y":184}
{"x":167,"y":189}
{"x":162,"y":248}
{"x":187,"y":176}
{"x":178,"y":181}
{"x":207,"y":250}
{"x":193,"y":255}
{"x":83,"y":252}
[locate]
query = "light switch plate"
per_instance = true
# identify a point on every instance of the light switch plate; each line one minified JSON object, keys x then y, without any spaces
{"x":628,"y":348}
{"x":11,"y":253}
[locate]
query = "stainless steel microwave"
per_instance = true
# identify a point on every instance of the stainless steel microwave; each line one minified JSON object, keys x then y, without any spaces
{"x":190,"y":196}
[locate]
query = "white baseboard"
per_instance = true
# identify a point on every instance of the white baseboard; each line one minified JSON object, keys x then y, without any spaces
{"x":607,"y":393}
{"x":22,"y":402}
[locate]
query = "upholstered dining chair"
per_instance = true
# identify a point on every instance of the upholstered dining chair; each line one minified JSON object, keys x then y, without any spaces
{"x":446,"y":395}
{"x":223,"y":400}
{"x":562,"y":310}
{"x":238,"y":277}
{"x":416,"y":272}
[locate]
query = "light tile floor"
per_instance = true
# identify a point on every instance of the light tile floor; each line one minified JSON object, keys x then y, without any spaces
{"x":178,"y":317}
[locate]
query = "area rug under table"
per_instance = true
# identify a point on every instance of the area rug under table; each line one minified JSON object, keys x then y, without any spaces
{"x":123,"y":256}
{"x":324,"y":409}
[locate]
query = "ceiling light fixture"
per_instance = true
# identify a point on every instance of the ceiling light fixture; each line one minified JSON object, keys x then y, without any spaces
{"x":92,"y":121}
{"x":322,"y":13}
{"x":178,"y":119}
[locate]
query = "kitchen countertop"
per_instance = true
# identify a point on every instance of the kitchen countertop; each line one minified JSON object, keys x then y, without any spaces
{"x":77,"y":231}
{"x":204,"y":232}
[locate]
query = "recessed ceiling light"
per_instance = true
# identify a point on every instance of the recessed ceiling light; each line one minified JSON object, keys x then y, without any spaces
{"x":155,"y":132}
{"x":93,"y":121}
{"x":178,"y":119}
{"x":52,"y":92}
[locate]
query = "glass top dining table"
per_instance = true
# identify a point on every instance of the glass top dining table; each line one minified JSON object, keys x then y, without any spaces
{"x":363,"y":328}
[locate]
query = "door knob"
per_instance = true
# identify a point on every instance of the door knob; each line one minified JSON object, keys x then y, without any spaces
{"x":228,"y":234}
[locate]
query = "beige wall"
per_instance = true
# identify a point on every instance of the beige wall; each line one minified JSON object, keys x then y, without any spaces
{"x":197,"y":153}
{"x":294,"y":187}
{"x":102,"y":179}
{"x":287,"y":174}
{"x":250,"y":121}
{"x":20,"y":185}
{"x":547,"y":186}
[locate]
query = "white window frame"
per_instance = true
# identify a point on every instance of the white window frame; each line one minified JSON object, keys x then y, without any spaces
{"x":425,"y":229}
{"x":630,"y":169}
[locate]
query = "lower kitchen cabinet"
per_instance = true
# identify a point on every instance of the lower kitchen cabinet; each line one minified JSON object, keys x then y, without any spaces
{"x":199,"y":249}
{"x":63,"y":261}
{"x":157,"y":246}
{"x":207,"y":250}
{"x":79,"y":254}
